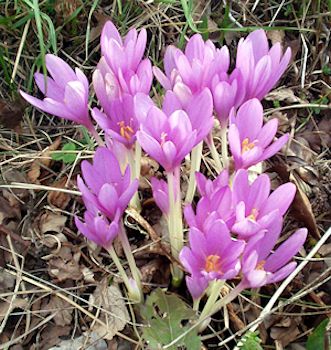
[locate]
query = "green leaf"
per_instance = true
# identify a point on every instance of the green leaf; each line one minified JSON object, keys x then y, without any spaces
{"x":250,"y":341}
{"x":316,"y":339}
{"x":67,"y":154}
{"x":187,"y":6}
{"x":326,"y":70}
{"x":168,"y":317}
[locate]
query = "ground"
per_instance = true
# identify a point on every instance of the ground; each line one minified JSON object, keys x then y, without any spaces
{"x":54,"y":286}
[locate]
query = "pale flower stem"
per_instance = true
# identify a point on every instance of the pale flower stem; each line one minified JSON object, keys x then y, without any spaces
{"x":175,"y":223}
{"x":129,"y":256}
{"x":134,"y":158}
{"x":224,"y":141}
{"x":218,"y":305}
{"x":214,"y":153}
{"x":215,"y":290}
{"x":97,"y":137}
{"x":120,"y":268}
{"x":196,"y":156}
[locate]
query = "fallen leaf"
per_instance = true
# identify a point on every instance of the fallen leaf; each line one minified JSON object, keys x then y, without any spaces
{"x":50,"y":336}
{"x":90,"y":341}
{"x":286,"y":330}
{"x":8,"y":305}
{"x":276,"y":36}
{"x":283,"y":94}
{"x":65,"y":265}
{"x":44,"y":160}
{"x":11,"y":113}
{"x":51,"y":222}
{"x":110,"y":299}
{"x":62,"y":309}
{"x":59,"y":199}
{"x":302,"y":209}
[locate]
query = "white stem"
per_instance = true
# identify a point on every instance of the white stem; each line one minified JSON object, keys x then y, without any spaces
{"x":134,"y":158}
{"x":214,"y":153}
{"x":175,"y":223}
{"x":129,"y":256}
{"x":224,"y":140}
{"x":216,"y":306}
{"x":120,"y":268}
{"x":196,"y":156}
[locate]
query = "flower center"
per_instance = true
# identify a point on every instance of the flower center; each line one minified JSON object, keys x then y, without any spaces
{"x":163,"y":138}
{"x":246,"y":145}
{"x":213,"y":263}
{"x":125,"y":130}
{"x":253,"y":215}
{"x":260,"y":265}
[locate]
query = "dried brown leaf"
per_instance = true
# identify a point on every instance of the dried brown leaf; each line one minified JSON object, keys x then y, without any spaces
{"x":62,"y":309}
{"x":302,"y":209}
{"x":59,"y":199}
{"x":51,"y":222}
{"x":109,"y":298}
{"x":283,"y":94}
{"x":11,"y":113}
{"x":9,"y":305}
{"x":44,"y":160}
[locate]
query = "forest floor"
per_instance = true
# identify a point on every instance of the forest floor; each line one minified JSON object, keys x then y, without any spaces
{"x":54,"y":286}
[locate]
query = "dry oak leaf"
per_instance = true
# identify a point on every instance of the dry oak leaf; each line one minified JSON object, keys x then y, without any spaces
{"x":110,"y":299}
{"x":62,"y":309}
{"x":89,"y":341}
{"x":43,"y":160}
{"x":50,"y":222}
{"x":7,"y":306}
{"x":59,"y":199}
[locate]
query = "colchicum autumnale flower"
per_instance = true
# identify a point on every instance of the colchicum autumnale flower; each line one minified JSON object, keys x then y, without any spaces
{"x":108,"y":189}
{"x":212,"y":255}
{"x":250,"y":141}
{"x":66,"y":92}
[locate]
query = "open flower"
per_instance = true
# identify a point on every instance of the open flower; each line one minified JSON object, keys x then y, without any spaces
{"x":260,"y":66}
{"x":255,"y":207}
{"x":212,"y":255}
{"x":66,"y":92}
{"x":198,"y":108}
{"x":98,"y":228}
{"x":107,"y":188}
{"x":250,"y":141}
{"x":260,"y":267}
{"x":122,"y":55}
{"x":122,"y":123}
{"x":196,"y":67}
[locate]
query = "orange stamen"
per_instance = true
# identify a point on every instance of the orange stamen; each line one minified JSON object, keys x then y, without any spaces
{"x":246,"y":145}
{"x":260,"y":265}
{"x":253,"y":215}
{"x":213,"y":263}
{"x":125,"y":130}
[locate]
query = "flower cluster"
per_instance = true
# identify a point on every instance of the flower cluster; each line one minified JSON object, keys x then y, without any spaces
{"x":237,"y":222}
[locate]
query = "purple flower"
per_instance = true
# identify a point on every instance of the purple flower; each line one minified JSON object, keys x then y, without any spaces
{"x":260,"y":66}
{"x":169,"y":135}
{"x":228,"y":92}
{"x":212,"y":255}
{"x":251,"y":142}
{"x":208,"y":187}
{"x":260,"y":267}
{"x":98,"y":229}
{"x":255,"y":207}
{"x":122,"y":55}
{"x":107,"y":188}
{"x":122,"y":124}
{"x":66,"y":92}
{"x":110,"y":85}
{"x":196,"y":67}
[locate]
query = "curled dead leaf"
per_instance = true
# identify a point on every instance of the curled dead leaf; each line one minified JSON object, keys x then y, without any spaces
{"x":59,"y":199}
{"x":113,"y":313}
{"x":44,"y":160}
{"x":302,"y":209}
{"x":51,"y":222}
